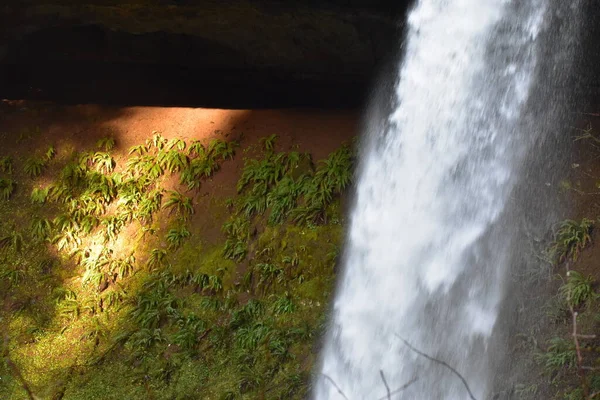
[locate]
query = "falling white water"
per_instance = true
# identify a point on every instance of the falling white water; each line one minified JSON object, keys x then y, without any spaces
{"x":424,"y":259}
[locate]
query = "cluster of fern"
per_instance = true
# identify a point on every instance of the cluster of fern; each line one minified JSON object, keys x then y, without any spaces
{"x":577,"y":299}
{"x":286,"y":187}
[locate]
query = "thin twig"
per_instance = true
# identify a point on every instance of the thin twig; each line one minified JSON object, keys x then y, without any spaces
{"x":387,"y":388}
{"x":445,"y":364}
{"x":401,"y":388}
{"x":335,"y":384}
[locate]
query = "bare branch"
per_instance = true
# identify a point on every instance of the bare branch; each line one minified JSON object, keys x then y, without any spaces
{"x":401,"y":388}
{"x":387,"y":388}
{"x":335,"y":385}
{"x":445,"y":364}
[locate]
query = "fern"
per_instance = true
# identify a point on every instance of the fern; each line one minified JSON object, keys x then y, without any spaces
{"x":104,"y":162}
{"x":578,"y":289}
{"x":14,"y":241}
{"x":50,"y":153}
{"x":6,"y":164}
{"x":570,"y":239}
{"x":39,"y":195}
{"x":112,"y":226}
{"x":40,"y":229}
{"x":157,"y":141}
{"x":176,"y":237}
{"x":219,"y":149}
{"x":197,"y":149}
{"x":254,"y":203}
{"x":560,"y":354}
{"x":158,"y":258}
{"x":175,"y":161}
{"x":196,"y":170}
{"x":89,"y":223}
{"x":106,"y":143}
{"x":176,"y":143}
{"x":235,"y":250}
{"x":180,"y":203}
{"x":34,"y":166}
{"x":103,"y":186}
{"x":72,"y":174}
{"x":7,"y":187}
{"x":282,"y":199}
{"x":269,"y":143}
{"x":123,"y":267}
{"x":149,"y":205}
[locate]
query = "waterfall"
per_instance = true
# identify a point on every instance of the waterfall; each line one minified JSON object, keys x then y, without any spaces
{"x":428,"y":245}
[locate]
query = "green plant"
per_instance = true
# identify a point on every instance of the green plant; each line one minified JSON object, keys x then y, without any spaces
{"x":106,"y":143}
{"x":269,"y":143}
{"x":196,"y":170}
{"x":157,"y":141}
{"x":154,"y":306}
{"x":72,"y":174}
{"x":570,"y":239}
{"x":269,"y":273}
{"x":103,"y":186}
{"x":176,"y":237}
{"x":139,"y":149}
{"x":112,"y":226}
{"x":34,"y":166}
{"x":254,"y":203}
{"x":68,"y":305}
{"x":282,"y":199}
{"x":176,"y":143}
{"x":104,"y":162}
{"x":39,"y":195}
{"x":158,"y":258}
{"x":190,"y":328}
{"x":174,"y":161}
{"x":50,"y":153}
{"x":197,"y":149}
{"x":6,"y":164}
{"x":235,"y":250}
{"x":219,"y":149}
{"x":250,"y":337}
{"x":89,"y":223}
{"x":578,"y":289}
{"x":560,"y":354}
{"x":179,"y":203}
{"x":283,"y":305}
{"x":149,"y":205}
{"x":13,"y":240}
{"x":7,"y":187}
{"x":123,"y":267}
{"x":40,"y":229}
{"x":262,"y":174}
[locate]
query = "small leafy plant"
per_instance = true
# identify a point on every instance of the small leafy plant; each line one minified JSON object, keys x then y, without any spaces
{"x":6,"y":164}
{"x":578,"y":289}
{"x":106,"y":143}
{"x":176,"y":237}
{"x":7,"y":187}
{"x":34,"y":166}
{"x":39,"y":195}
{"x":179,"y":203}
{"x":570,"y":239}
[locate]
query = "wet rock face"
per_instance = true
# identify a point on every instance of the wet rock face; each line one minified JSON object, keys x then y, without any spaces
{"x":336,"y":43}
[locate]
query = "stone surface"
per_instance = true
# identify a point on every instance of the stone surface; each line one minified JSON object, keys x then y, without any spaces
{"x":322,"y":46}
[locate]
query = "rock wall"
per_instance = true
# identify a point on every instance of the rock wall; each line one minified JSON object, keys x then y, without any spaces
{"x":311,"y":47}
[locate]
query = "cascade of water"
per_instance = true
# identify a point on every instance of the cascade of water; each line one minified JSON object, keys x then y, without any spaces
{"x":424,"y":259}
